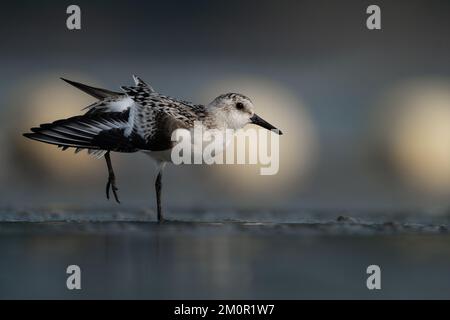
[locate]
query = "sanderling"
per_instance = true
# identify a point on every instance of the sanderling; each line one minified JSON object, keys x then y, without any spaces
{"x":140,"y":119}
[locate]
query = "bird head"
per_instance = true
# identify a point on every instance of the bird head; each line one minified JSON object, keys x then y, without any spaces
{"x":234,"y":111}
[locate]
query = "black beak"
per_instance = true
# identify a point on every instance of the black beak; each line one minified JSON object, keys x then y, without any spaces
{"x":263,"y":123}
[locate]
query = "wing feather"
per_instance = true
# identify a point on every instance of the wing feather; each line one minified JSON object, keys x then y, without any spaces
{"x":102,"y":131}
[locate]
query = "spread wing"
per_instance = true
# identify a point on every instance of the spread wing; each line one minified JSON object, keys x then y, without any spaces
{"x":139,"y":119}
{"x":93,"y":131}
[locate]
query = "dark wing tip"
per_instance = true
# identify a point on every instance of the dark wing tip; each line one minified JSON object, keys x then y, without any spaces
{"x":73,"y":83}
{"x":98,"y":93}
{"x":28,"y":135}
{"x":66,"y":80}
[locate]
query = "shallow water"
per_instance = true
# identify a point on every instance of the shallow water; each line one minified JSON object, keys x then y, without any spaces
{"x":127,"y":255}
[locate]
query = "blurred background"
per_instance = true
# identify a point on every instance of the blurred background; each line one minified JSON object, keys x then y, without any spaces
{"x":366,"y":114}
{"x":366,"y":122}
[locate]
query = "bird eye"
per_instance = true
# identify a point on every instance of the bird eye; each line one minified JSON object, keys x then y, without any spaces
{"x":239,"y":106}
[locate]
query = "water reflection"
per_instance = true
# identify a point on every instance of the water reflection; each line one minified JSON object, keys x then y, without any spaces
{"x":190,"y":261}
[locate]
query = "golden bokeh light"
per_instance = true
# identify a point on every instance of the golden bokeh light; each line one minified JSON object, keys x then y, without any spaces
{"x":283,"y":109}
{"x":416,"y":129}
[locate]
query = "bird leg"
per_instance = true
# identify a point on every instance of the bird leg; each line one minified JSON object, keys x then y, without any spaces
{"x":111,"y":179}
{"x":158,"y":185}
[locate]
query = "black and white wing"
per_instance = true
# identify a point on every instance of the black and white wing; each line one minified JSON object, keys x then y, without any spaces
{"x":97,"y":132}
{"x":139,"y":119}
{"x":101,"y":129}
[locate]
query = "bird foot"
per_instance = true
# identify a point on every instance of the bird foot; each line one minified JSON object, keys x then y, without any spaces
{"x":112,"y":185}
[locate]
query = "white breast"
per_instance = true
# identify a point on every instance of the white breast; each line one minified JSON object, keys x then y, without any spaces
{"x":204,"y":147}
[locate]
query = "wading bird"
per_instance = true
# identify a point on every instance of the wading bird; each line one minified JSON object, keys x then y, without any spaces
{"x":140,"y":119}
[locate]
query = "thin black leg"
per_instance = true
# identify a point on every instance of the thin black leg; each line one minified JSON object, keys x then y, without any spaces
{"x":111,"y":179}
{"x":158,"y":185}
